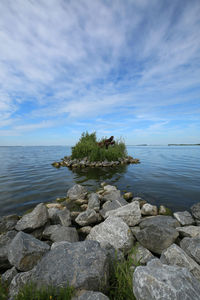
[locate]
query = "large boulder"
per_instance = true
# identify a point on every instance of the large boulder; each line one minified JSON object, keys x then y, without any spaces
{"x":184,"y":218}
{"x":37,"y":218}
{"x":63,"y":233}
{"x":90,"y":295}
{"x":189,"y":231}
{"x":157,"y":238}
{"x":5,"y":240}
{"x":87,"y":217}
{"x":8,"y":223}
{"x":129,"y":213}
{"x":77,"y":192}
{"x":83,"y":265}
{"x":93,"y":202}
{"x":175,"y":256}
{"x":157,"y":281}
{"x":113,"y":231}
{"x":25,"y":250}
{"x":165,"y":221}
{"x":192,"y":247}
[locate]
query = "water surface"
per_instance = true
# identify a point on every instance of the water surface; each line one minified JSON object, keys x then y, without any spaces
{"x":166,"y":175}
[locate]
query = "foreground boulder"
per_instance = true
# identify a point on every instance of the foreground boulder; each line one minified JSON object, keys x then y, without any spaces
{"x":90,"y":295}
{"x":37,"y":218}
{"x":77,"y":192}
{"x":5,"y":240}
{"x":157,"y":238}
{"x":175,"y":256}
{"x":25,"y":250}
{"x":129,"y":213}
{"x":113,"y":231}
{"x":83,"y":265}
{"x":157,"y":281}
{"x":164,"y":221}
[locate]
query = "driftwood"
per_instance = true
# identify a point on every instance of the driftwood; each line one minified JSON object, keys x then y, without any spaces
{"x":107,"y":142}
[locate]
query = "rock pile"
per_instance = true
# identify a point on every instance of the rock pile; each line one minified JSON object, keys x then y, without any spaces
{"x":75,"y":242}
{"x":67,"y":161}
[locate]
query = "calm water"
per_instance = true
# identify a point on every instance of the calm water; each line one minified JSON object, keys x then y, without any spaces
{"x":166,"y":175}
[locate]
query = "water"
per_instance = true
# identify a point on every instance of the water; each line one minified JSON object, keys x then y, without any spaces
{"x":166,"y":175}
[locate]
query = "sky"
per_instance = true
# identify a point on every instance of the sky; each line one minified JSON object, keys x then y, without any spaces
{"x":127,"y":68}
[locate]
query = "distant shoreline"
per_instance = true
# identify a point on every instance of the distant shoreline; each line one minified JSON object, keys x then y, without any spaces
{"x":183,"y":144}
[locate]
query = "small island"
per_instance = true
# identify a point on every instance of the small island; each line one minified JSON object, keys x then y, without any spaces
{"x":89,"y":152}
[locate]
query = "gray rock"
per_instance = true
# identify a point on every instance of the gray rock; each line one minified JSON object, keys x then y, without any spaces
{"x":141,"y":255}
{"x":24,"y":251}
{"x":189,"y":231}
{"x":162,"y":210}
{"x":57,"y":244}
{"x":64,"y":233}
{"x":159,"y":221}
{"x":175,"y":256}
{"x":8,"y":223}
{"x":157,"y":281}
{"x":93,"y":202}
{"x":157,"y":238}
{"x":83,"y":265}
{"x":149,"y":210}
{"x":113,"y":231}
{"x":90,"y":295}
{"x":135,"y":230}
{"x":128,"y":196}
{"x":58,"y":216}
{"x":109,"y":188}
{"x":5,"y":240}
{"x":85,"y":229}
{"x":129,"y":213}
{"x":140,"y":200}
{"x":192,"y":247}
{"x":37,"y":218}
{"x":184,"y":218}
{"x":87,"y":217}
{"x":195,"y":209}
{"x":49,"y":230}
{"x":19,"y":281}
{"x":113,"y":200}
{"x":77,"y":192}
{"x":8,"y":276}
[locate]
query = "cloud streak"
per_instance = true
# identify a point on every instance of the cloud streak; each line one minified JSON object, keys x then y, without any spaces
{"x":96,"y":61}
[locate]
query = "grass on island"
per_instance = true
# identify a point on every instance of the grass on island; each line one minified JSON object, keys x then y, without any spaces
{"x":88,"y":147}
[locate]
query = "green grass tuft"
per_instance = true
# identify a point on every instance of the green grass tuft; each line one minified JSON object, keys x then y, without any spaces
{"x":87,"y":147}
{"x":30,"y":292}
{"x":121,"y":280}
{"x":3,"y":290}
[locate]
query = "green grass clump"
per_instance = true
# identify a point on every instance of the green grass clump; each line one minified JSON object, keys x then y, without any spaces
{"x":121,"y":281}
{"x":3,"y":290}
{"x":30,"y":292}
{"x":87,"y":147}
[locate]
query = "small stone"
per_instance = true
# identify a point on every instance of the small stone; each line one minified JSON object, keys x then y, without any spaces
{"x":84,"y":207}
{"x":109,"y":188}
{"x":140,"y":200}
{"x":55,"y":205}
{"x":149,"y":210}
{"x":81,"y":201}
{"x":87,"y":217}
{"x":128,"y":196}
{"x":93,"y":202}
{"x":85,"y":230}
{"x":77,"y":192}
{"x":184,"y":218}
{"x":49,"y":230}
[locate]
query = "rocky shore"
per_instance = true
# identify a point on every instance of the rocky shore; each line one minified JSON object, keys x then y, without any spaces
{"x":76,"y":240}
{"x":67,"y":161}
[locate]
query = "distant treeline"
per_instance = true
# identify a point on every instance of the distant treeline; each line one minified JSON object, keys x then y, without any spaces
{"x":183,"y":144}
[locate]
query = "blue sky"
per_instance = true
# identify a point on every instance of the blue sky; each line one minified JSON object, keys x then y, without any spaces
{"x":127,"y":68}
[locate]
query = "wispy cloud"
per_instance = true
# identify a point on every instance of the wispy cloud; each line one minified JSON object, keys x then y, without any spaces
{"x":111,"y":66}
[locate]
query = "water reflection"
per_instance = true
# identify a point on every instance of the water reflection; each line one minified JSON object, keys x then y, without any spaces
{"x":99,"y":174}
